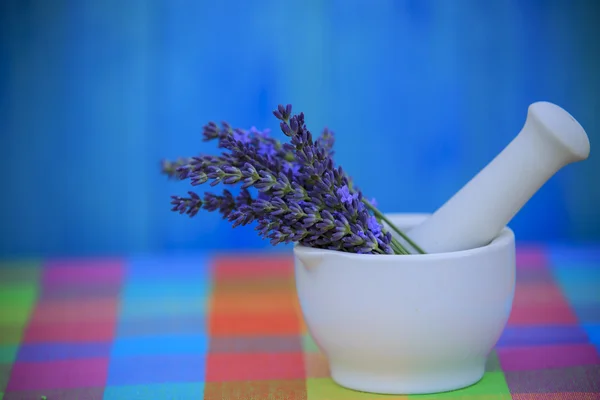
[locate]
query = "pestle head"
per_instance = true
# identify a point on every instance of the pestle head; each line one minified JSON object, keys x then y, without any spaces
{"x":550,"y":139}
{"x":555,"y":121}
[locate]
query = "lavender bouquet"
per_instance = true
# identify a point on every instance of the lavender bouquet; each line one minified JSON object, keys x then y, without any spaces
{"x":293,"y":191}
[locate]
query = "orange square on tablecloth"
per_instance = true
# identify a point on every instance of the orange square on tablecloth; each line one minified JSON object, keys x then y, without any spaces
{"x":255,"y":324}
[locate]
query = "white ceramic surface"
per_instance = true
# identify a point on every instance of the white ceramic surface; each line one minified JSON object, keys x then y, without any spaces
{"x":550,"y":139}
{"x":406,"y":324}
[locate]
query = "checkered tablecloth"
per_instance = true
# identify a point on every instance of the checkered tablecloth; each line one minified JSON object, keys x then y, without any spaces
{"x":229,"y":327}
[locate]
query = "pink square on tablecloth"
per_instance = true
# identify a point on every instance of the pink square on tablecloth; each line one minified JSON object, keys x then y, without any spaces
{"x":539,"y":294}
{"x":547,"y":357}
{"x":83,"y":271}
{"x":99,"y":262}
{"x":535,"y":276}
{"x":61,"y":374}
{"x":72,"y":331}
{"x":75,"y":310}
{"x":560,"y":314}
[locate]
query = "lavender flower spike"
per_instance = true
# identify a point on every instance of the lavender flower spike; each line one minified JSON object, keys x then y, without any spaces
{"x":301,"y":195}
{"x":188,"y":205}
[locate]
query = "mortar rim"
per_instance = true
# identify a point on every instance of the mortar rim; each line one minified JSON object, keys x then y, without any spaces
{"x":505,"y":238}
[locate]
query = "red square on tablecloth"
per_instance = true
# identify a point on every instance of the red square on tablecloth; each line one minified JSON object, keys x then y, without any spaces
{"x":239,"y":268}
{"x":224,"y":367}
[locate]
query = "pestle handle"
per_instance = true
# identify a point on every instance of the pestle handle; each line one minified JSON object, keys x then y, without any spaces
{"x":550,"y":139}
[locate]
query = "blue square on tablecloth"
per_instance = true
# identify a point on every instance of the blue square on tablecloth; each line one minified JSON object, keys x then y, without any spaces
{"x":179,"y":391}
{"x":159,"y":345}
{"x":150,"y":369}
{"x":593,"y":332}
{"x":176,"y":267}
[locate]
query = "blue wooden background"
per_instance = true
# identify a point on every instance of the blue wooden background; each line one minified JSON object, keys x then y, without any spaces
{"x":421,"y":95}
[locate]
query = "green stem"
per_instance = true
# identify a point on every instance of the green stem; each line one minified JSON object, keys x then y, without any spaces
{"x":397,"y":246}
{"x":379,"y":215}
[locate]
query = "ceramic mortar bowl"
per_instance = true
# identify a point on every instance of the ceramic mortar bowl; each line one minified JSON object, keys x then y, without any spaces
{"x":407,"y":324}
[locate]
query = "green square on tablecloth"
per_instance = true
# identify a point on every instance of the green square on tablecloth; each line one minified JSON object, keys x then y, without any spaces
{"x":492,"y":384}
{"x":8,"y":353}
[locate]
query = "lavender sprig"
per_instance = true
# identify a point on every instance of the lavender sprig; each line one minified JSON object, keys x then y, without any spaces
{"x":188,"y":205}
{"x":330,"y":185}
{"x":301,"y":195}
{"x":170,"y":168}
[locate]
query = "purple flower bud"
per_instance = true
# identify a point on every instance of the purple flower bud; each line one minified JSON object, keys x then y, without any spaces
{"x":211,"y":127}
{"x":243,"y":216}
{"x":199,"y":178}
{"x":267,"y":149}
{"x":190,"y":205}
{"x":291,"y":168}
{"x":330,"y":200}
{"x":241,"y":136}
{"x":299,"y":235}
{"x":184,"y":171}
{"x":249,"y":170}
{"x":324,"y":226}
{"x":373,"y":225}
{"x":230,"y":180}
{"x":344,"y":194}
{"x":353,"y":240}
{"x":244,"y":198}
{"x":266,"y":181}
{"x":285,"y":128}
{"x":294,"y":124}
{"x":338,"y":234}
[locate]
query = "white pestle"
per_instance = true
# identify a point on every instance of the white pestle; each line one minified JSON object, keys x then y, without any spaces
{"x":550,"y":139}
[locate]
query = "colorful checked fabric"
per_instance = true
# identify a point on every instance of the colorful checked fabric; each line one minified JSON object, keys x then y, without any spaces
{"x":229,"y":327}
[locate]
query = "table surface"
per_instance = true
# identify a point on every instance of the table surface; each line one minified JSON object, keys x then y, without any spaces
{"x":229,"y":327}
